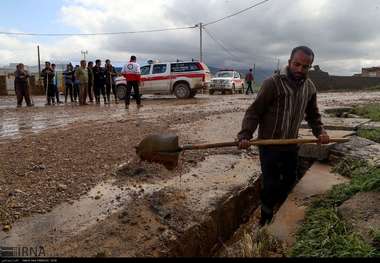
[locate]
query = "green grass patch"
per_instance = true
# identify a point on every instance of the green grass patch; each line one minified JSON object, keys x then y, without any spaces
{"x":324,"y":233}
{"x":370,"y":134}
{"x":370,"y":111}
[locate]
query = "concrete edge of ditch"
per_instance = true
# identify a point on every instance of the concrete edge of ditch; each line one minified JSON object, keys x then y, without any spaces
{"x":218,"y":225}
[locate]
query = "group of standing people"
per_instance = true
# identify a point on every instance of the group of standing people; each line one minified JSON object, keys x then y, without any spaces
{"x":50,"y":81}
{"x":87,"y":80}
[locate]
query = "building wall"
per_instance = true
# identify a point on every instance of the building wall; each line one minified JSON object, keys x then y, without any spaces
{"x":325,"y":82}
{"x":7,"y":86}
{"x":371,"y":72}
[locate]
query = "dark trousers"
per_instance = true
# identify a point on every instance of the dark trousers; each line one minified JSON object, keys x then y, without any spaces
{"x":76,"y":91}
{"x":22,"y":91}
{"x":69,"y":90}
{"x":249,"y":88}
{"x":99,"y":88}
{"x":279,"y":174}
{"x":110,"y":86}
{"x":50,"y":93}
{"x":56,"y":92}
{"x":135,"y":86}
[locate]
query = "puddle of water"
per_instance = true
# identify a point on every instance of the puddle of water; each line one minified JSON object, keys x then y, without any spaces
{"x":25,"y":121}
{"x":67,"y":220}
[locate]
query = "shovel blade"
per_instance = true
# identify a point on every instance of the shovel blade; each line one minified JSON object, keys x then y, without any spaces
{"x":163,"y":149}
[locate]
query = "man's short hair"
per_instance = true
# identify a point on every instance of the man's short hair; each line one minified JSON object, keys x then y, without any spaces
{"x":98,"y":61}
{"x":133,"y":58}
{"x":107,"y":60}
{"x":304,"y":49}
{"x":53,"y":65}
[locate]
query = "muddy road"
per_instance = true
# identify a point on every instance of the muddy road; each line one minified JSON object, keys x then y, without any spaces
{"x":70,"y":180}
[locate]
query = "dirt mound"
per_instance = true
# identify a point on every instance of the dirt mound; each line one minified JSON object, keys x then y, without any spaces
{"x":363,"y":213}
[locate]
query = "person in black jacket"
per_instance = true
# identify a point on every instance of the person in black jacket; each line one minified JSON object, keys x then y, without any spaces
{"x":110,"y":81}
{"x":90,"y":92}
{"x":48,"y":75}
{"x":55,"y":84}
{"x":99,"y":81}
{"x":68,"y":75}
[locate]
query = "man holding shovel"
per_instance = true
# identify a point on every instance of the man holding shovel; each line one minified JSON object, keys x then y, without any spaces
{"x":283,"y":102}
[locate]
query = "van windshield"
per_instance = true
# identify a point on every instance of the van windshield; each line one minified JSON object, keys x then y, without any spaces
{"x":225,"y":74}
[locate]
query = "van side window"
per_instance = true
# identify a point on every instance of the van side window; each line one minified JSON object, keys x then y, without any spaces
{"x":145,"y":70}
{"x":159,"y":69}
{"x":184,"y":67}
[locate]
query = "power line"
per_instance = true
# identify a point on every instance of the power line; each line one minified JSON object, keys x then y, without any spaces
{"x":237,"y":13}
{"x":127,"y":32}
{"x":94,"y":34}
{"x":220,"y":44}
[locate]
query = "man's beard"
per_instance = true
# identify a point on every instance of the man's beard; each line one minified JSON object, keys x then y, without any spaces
{"x":297,"y":78}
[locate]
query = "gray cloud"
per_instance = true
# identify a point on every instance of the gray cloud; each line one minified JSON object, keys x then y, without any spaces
{"x":343,"y":33}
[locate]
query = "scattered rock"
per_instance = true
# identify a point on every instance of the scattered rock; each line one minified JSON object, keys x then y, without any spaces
{"x":38,"y":167}
{"x":62,"y":187}
{"x":18,"y":191}
{"x":7,"y":228}
{"x":97,"y":197}
{"x":139,"y":171}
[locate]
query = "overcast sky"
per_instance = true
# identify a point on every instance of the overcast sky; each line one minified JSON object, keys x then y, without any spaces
{"x":343,"y":33}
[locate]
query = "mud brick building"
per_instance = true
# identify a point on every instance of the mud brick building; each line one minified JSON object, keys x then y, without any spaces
{"x":326,"y":82}
{"x":371,"y":72}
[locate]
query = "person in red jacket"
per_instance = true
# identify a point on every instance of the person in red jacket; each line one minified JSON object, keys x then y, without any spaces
{"x":249,"y":79}
{"x":132,"y":74}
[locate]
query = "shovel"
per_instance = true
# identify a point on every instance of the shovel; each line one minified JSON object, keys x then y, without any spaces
{"x":165,"y":149}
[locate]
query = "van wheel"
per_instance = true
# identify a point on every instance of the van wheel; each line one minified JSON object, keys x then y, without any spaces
{"x":182,"y":91}
{"x":242,"y":89}
{"x":233,"y":91}
{"x":211,"y":92}
{"x":121,"y":92}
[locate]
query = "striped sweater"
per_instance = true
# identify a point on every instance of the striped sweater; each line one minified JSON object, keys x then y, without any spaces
{"x":280,"y":107}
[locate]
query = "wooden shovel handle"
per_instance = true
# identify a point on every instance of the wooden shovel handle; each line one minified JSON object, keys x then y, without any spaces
{"x":260,"y":142}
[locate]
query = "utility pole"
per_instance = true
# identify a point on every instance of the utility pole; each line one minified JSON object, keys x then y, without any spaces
{"x":201,"y":42}
{"x":39,"y":61}
{"x":84,"y":53}
{"x":278,"y":65}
